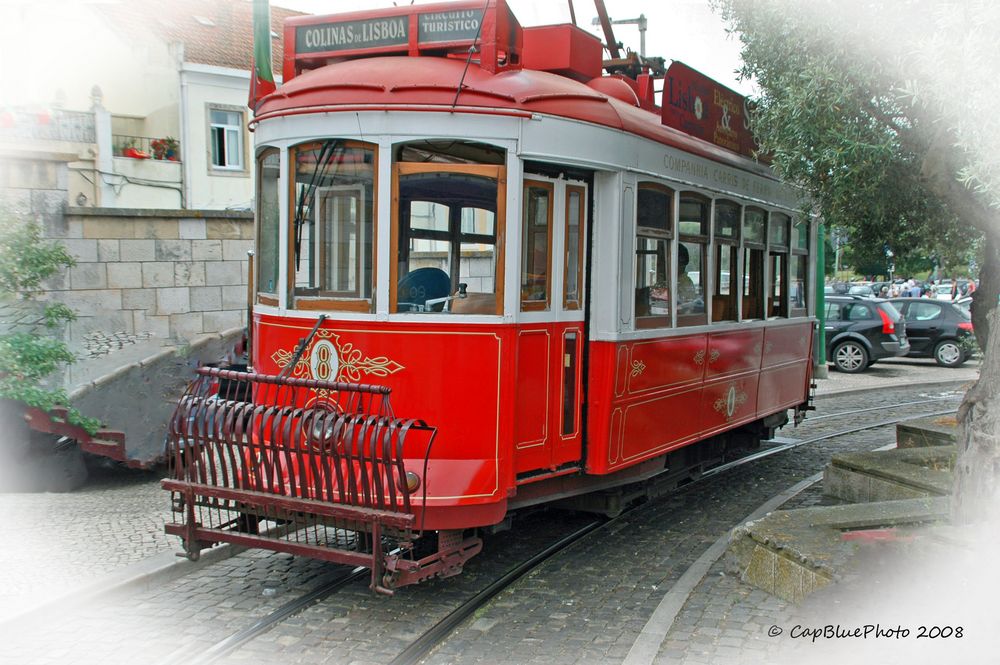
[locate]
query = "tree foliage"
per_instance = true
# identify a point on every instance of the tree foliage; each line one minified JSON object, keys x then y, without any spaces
{"x":882,"y":110}
{"x":28,"y":357}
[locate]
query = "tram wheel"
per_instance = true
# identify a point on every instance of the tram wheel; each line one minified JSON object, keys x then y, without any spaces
{"x":850,"y":357}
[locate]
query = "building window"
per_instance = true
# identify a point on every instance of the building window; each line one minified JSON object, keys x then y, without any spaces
{"x":226,"y":138}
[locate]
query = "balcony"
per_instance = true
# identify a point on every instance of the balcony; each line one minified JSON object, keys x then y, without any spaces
{"x":46,"y":125}
{"x":146,"y":147}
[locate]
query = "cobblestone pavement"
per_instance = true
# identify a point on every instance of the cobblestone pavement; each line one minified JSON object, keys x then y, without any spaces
{"x":585,"y":606}
{"x":65,"y":540}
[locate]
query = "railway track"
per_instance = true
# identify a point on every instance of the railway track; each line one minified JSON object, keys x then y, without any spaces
{"x":439,"y":632}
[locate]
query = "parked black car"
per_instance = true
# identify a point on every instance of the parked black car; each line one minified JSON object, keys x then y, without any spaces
{"x":939,"y":329}
{"x":860,"y":331}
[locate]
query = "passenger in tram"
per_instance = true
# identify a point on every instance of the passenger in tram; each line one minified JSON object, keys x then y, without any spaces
{"x":689,"y":300}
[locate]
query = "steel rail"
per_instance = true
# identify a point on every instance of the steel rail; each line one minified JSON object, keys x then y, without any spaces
{"x":440,"y":631}
{"x":291,"y":608}
{"x":795,"y":444}
{"x":812,"y":419}
{"x":437,"y":633}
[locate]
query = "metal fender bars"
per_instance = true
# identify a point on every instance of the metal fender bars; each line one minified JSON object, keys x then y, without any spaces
{"x":322,"y":460}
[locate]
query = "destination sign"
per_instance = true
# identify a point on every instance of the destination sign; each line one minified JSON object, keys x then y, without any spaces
{"x":449,"y":26}
{"x":353,"y":35}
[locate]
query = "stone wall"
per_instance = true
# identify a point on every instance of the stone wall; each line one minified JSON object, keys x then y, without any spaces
{"x":173,"y":274}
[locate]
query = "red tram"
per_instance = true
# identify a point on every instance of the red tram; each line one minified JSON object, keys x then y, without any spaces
{"x":573,"y":296}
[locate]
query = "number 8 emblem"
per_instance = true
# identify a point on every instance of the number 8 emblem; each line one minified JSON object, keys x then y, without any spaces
{"x":323,"y":361}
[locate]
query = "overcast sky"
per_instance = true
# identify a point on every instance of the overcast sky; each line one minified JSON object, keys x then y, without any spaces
{"x":685,"y":30}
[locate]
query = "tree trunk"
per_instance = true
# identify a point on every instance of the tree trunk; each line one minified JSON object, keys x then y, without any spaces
{"x":984,"y":299}
{"x":976,"y":493}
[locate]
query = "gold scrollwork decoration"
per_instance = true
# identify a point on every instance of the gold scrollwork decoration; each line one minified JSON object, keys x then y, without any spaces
{"x":699,"y":357}
{"x":730,"y":403}
{"x":338,"y":361}
{"x":638,"y":367}
{"x":713,"y":356}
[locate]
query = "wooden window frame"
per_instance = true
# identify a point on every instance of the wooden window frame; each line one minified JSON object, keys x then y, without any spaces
{"x":269,"y":298}
{"x":537,"y":305}
{"x":796,"y":254}
{"x":325,"y":302}
{"x":576,"y":304}
{"x":735,"y":287}
{"x":702,"y":239}
{"x":657,"y":320}
{"x":496,"y":172}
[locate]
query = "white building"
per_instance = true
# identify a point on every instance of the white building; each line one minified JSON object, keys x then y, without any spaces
{"x":106,"y":85}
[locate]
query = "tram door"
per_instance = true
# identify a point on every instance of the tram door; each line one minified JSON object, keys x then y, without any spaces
{"x":549,"y":394}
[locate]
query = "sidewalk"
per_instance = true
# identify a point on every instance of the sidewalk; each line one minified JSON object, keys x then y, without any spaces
{"x":895,"y":372}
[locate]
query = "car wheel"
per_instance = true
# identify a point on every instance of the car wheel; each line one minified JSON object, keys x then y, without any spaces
{"x":850,"y":357}
{"x":949,"y":354}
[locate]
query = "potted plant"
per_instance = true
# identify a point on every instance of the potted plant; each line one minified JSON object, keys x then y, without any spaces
{"x":172,"y":147}
{"x":159,"y":147}
{"x":131,"y":151}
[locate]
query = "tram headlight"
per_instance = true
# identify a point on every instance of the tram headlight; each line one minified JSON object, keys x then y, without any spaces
{"x":412,"y":481}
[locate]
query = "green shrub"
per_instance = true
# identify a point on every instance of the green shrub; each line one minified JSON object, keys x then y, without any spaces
{"x":27,"y":357}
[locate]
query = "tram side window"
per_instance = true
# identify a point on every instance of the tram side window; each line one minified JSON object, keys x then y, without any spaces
{"x":573,"y":281}
{"x":654,"y":230}
{"x":692,"y":255}
{"x":727,"y":227}
{"x":778,"y":249}
{"x":332,"y":231}
{"x":536,"y":245}
{"x":754,"y":248}
{"x":268,"y":221}
{"x":447,"y":227}
{"x":799,"y":267}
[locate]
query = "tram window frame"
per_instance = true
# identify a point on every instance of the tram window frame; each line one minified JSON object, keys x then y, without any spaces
{"x":754,"y":243}
{"x":472,"y":302}
{"x":574,"y":252}
{"x":267,"y":250}
{"x":537,"y":300}
{"x":779,"y":233}
{"x":799,"y":262}
{"x":653,"y":240}
{"x":693,"y":243}
{"x":724,"y":308}
{"x":314,"y":297}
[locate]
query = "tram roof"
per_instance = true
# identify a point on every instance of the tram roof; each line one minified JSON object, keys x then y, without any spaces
{"x":430,"y":84}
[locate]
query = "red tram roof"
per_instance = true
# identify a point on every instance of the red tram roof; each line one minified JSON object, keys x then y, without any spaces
{"x":430,"y":84}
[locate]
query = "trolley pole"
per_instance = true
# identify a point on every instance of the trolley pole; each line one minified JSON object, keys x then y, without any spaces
{"x":819,"y":349}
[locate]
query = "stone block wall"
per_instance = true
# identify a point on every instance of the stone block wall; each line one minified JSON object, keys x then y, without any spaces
{"x":173,"y":274}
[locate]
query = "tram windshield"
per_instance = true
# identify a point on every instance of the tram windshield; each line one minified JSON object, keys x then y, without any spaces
{"x":447,"y":239}
{"x":333,"y":223}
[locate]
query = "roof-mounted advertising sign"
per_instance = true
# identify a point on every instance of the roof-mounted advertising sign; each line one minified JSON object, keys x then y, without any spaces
{"x":697,"y":105}
{"x":352,"y":35}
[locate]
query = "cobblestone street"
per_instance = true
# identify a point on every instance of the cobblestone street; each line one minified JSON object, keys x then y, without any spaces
{"x":587,"y":605}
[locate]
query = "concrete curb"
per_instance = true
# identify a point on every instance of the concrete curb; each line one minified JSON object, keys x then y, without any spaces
{"x":647,"y":645}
